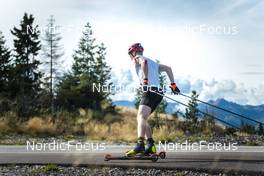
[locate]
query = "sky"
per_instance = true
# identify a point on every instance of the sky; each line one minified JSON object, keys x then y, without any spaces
{"x":214,"y":47}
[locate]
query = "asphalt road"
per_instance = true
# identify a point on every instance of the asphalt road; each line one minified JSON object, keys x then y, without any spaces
{"x":244,"y":159}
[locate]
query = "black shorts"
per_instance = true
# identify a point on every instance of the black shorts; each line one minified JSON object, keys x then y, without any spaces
{"x":151,"y":99}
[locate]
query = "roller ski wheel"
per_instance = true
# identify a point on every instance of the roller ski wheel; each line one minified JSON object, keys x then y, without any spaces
{"x":162,"y":155}
{"x":107,"y":157}
{"x":154,"y":158}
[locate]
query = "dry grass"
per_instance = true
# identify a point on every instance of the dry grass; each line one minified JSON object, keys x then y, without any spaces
{"x":167,"y":134}
{"x":114,"y":132}
{"x":67,"y":124}
{"x":84,"y":124}
{"x":124,"y":130}
{"x":39,"y":126}
{"x":127,"y":129}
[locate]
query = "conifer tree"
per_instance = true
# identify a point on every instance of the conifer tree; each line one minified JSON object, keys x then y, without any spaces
{"x":5,"y":65}
{"x":27,"y":82}
{"x":89,"y":68}
{"x":52,"y":52}
{"x":5,"y":74}
{"x":192,"y":113}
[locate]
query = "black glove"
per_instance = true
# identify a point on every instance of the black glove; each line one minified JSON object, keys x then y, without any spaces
{"x":174,"y":89}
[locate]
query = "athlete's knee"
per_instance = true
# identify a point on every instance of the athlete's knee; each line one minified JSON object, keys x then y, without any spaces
{"x":143,"y":112}
{"x":141,"y":118}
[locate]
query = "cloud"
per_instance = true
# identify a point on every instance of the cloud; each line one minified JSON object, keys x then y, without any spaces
{"x":229,"y":90}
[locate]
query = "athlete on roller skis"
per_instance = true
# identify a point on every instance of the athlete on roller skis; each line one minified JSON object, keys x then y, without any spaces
{"x":148,"y":72}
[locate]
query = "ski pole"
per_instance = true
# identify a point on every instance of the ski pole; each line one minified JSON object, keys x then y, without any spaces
{"x":223,"y":109}
{"x":204,"y":113}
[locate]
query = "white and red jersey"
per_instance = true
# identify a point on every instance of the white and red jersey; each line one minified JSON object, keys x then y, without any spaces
{"x":153,"y":72}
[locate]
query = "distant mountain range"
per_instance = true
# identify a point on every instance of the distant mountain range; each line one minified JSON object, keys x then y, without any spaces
{"x":253,"y":112}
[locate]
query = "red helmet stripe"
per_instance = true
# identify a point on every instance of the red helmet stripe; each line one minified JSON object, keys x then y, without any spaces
{"x":135,"y":47}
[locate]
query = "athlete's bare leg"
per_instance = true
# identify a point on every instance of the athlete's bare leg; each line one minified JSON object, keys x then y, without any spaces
{"x":142,"y":126}
{"x":148,"y":131}
{"x":144,"y":129}
{"x":142,"y":117}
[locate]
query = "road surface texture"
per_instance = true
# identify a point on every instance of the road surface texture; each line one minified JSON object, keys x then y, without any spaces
{"x":243,"y":160}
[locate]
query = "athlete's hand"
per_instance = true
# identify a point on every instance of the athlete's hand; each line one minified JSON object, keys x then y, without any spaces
{"x":145,"y":81}
{"x":174,"y":89}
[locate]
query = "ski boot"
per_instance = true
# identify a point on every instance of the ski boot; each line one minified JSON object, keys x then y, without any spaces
{"x":151,"y":148}
{"x":138,"y":150}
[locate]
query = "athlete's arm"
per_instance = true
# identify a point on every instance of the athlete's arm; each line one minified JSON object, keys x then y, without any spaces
{"x":144,"y":66}
{"x":167,"y":69}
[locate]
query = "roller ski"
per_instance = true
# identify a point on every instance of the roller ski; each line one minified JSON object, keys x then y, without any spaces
{"x":152,"y":157}
{"x":139,"y":153}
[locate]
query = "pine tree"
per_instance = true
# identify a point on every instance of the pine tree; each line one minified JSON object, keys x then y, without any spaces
{"x":84,"y":56}
{"x":27,"y":76}
{"x":5,"y":65}
{"x":103,"y":76}
{"x":89,"y":68}
{"x":5,"y":75}
{"x":53,"y":52}
{"x":191,"y":113}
